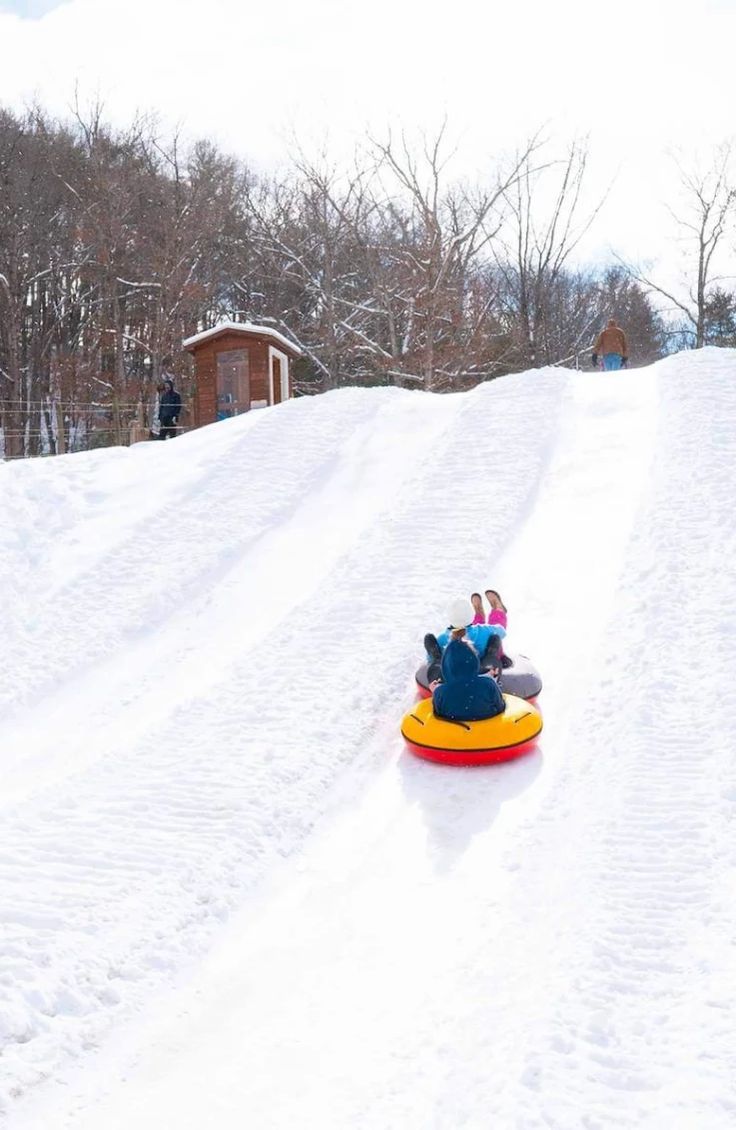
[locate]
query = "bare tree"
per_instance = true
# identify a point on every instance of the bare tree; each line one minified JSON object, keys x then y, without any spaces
{"x":434,"y":237}
{"x":704,"y":214}
{"x":306,"y":233}
{"x":544,"y":227}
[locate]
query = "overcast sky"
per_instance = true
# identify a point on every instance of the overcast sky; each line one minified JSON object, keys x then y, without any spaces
{"x":640,"y":76}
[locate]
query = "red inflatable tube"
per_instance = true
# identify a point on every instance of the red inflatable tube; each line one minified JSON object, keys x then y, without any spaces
{"x":476,"y":757}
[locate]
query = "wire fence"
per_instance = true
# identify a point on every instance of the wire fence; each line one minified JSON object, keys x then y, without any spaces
{"x":41,"y":428}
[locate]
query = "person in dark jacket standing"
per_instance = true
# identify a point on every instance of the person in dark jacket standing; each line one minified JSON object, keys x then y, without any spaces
{"x":169,"y":410}
{"x":464,"y":695}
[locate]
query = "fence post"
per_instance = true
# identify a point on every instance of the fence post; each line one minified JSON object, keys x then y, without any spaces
{"x":60,"y":437}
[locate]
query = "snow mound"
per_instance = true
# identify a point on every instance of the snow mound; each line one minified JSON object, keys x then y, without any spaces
{"x":207,"y":646}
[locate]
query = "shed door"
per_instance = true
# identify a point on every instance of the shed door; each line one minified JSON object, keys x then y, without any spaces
{"x":278,"y":375}
{"x":276,"y":370}
{"x":233,"y":383}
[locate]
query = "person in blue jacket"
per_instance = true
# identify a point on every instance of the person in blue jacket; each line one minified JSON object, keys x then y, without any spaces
{"x":485,"y":638}
{"x":464,"y":695}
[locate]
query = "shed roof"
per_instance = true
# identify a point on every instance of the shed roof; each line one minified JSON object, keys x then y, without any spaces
{"x":245,"y":328}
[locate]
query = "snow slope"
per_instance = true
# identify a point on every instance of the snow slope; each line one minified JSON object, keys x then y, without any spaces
{"x":229,"y":897}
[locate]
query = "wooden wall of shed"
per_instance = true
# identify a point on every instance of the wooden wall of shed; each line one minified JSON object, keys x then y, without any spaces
{"x":205,"y":390}
{"x":259,"y":371}
{"x":205,"y":362}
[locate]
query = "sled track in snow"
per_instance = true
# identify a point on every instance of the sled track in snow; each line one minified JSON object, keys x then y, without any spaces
{"x":643,"y":1017}
{"x":224,"y":774}
{"x":549,"y":945}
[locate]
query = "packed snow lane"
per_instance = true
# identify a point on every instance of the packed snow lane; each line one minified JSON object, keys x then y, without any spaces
{"x":405,"y":955}
{"x":158,"y":785}
{"x":226,"y":563}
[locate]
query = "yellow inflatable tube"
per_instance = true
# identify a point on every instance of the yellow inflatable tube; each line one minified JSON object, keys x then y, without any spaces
{"x":502,"y":738}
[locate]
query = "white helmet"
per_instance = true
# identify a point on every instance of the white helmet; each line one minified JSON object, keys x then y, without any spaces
{"x":461,"y":613}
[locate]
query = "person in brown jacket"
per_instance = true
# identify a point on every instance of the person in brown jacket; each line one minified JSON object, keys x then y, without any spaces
{"x":611,"y":344}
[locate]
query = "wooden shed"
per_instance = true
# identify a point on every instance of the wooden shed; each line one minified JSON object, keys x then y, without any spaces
{"x":239,"y":366}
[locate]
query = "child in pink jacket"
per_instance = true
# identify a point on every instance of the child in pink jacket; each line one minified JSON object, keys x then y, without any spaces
{"x":498,"y":613}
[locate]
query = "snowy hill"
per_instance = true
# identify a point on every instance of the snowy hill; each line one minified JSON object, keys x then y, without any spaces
{"x":230,"y":897}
